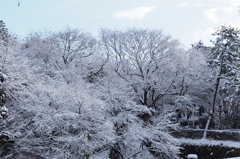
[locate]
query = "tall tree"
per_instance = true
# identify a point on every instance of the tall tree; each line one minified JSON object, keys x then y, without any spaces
{"x":224,"y":57}
{"x":148,"y":61}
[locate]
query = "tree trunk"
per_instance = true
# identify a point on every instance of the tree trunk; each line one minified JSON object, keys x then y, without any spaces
{"x":145,"y":97}
{"x":220,"y":116}
{"x":214,"y":101}
{"x":207,"y":125}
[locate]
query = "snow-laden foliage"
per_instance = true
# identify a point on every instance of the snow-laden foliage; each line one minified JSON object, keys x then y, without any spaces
{"x":140,"y":134}
{"x":149,"y":61}
{"x":68,"y":94}
{"x":225,"y":53}
{"x":225,"y":58}
{"x":57,"y":112}
{"x":62,"y":53}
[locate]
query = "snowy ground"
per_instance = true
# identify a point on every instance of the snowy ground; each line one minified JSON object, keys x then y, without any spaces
{"x":220,"y":131}
{"x":210,"y":142}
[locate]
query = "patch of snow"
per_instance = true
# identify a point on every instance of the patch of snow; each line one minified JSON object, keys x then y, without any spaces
{"x":219,"y":131}
{"x":192,"y":156}
{"x":210,"y":142}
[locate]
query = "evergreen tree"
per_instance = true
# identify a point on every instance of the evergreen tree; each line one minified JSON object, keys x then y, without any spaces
{"x":3,"y":33}
{"x":224,"y":57}
{"x":3,"y":47}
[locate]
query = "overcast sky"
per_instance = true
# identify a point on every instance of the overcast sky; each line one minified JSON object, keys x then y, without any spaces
{"x":186,"y":20}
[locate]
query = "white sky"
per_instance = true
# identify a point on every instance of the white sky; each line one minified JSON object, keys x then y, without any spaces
{"x":186,"y":20}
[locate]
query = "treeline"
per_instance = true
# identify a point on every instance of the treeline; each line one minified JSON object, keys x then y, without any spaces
{"x":73,"y":95}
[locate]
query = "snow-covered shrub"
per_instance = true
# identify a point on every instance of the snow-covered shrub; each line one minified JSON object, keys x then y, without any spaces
{"x":136,"y":137}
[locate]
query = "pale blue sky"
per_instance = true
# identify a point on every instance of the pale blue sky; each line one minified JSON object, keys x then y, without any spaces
{"x":186,"y":20}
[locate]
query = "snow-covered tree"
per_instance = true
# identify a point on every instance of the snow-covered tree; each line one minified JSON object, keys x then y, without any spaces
{"x":148,"y":61}
{"x":52,"y":118}
{"x":72,"y":44}
{"x":66,"y":53}
{"x":3,"y":33}
{"x":224,"y":57}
